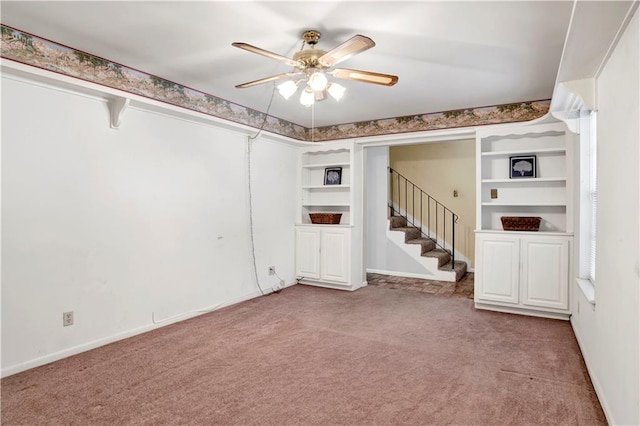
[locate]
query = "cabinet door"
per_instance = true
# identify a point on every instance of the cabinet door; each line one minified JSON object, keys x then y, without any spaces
{"x":498,"y":261}
{"x":308,"y":253}
{"x":545,"y":272}
{"x":335,"y":255}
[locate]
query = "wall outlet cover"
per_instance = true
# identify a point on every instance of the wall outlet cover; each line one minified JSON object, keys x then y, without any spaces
{"x":67,"y":318}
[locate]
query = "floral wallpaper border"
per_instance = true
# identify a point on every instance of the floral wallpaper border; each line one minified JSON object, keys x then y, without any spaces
{"x":31,"y":50}
{"x":499,"y":114}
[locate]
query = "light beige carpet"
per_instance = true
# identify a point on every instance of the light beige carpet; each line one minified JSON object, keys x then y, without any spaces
{"x":313,"y":356}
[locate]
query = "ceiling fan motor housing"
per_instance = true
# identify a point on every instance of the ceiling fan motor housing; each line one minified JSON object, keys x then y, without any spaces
{"x":309,"y":58}
{"x":311,"y":37}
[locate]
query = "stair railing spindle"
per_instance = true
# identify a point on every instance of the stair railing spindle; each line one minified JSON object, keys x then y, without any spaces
{"x":453,"y":240}
{"x":437,"y":221}
{"x":421,"y":192}
{"x":429,"y":214}
{"x":398,"y":179}
{"x":413,"y":204}
{"x":406,"y":200}
{"x":444,"y":228}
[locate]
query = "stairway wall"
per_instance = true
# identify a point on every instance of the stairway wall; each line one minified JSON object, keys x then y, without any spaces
{"x":381,"y":253}
{"x":439,"y":168}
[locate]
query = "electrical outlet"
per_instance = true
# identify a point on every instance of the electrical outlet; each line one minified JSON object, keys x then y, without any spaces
{"x":67,"y":318}
{"x":272,"y":270}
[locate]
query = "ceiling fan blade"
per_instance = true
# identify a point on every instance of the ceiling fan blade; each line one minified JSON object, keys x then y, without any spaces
{"x":365,"y":76}
{"x":268,"y":54}
{"x":353,"y":46}
{"x":267,"y":79}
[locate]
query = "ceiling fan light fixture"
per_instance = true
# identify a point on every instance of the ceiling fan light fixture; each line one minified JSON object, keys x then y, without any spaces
{"x":307,"y":97}
{"x":312,"y":66}
{"x":318,"y":81}
{"x":336,"y":91}
{"x":288,"y":88}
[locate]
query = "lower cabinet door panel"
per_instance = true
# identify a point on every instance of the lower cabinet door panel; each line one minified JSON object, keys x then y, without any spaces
{"x":545,"y":272}
{"x":308,"y":253}
{"x":335,"y":255}
{"x":499,"y":261}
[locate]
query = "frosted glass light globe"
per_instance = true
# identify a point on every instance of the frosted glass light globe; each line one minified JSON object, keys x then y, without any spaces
{"x":307,"y":98}
{"x":287,"y":89}
{"x":336,"y":91}
{"x":318,"y":81}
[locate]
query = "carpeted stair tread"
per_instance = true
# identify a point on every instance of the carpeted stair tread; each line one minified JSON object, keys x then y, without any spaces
{"x":442,"y":256}
{"x":398,"y":222}
{"x":460,"y":268}
{"x":426,"y":243}
{"x":410,"y":232}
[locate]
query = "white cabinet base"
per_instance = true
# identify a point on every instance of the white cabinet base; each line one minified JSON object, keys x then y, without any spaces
{"x":523,"y":311}
{"x":523,"y":273}
{"x":324,"y":257}
{"x":328,"y":284}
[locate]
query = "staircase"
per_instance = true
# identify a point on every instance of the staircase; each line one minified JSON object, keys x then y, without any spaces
{"x":424,"y":228}
{"x":425,"y":251}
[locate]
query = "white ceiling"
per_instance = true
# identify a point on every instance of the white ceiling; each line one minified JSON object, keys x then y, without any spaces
{"x":448,"y":55}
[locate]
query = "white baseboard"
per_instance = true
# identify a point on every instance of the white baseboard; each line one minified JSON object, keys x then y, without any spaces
{"x":37,"y":362}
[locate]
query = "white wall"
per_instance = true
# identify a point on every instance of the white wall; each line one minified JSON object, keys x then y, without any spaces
{"x":382,"y":255}
{"x":609,"y":332}
{"x":120,"y":225}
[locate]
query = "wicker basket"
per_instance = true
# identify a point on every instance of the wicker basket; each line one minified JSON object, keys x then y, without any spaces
{"x":325,"y":218}
{"x":520,"y":223}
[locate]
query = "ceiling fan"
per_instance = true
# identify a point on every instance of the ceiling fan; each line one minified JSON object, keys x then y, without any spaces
{"x":312,"y":66}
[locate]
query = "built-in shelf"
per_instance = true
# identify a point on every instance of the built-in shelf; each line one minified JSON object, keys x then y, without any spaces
{"x":322,"y":166}
{"x":547,"y":195}
{"x":327,"y":187}
{"x":325,"y":204}
{"x":333,"y":225}
{"x":501,"y":231}
{"x":525,"y":180}
{"x":524,"y":152}
{"x":316,"y":196}
{"x":528,"y":204}
{"x":330,"y":255}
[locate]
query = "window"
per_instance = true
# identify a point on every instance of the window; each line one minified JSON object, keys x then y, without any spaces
{"x":593,"y":195}
{"x":588,"y":202}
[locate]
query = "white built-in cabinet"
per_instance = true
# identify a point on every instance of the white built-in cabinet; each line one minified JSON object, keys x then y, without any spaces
{"x":323,"y":254}
{"x":523,"y":273}
{"x":330,"y":255}
{"x":518,"y":271}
